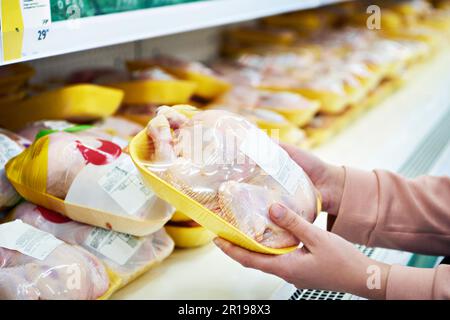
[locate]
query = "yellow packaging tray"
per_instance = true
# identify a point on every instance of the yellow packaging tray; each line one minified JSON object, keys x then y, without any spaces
{"x":16,"y":74}
{"x":330,"y":102}
{"x":180,"y":217}
{"x":286,"y":133}
{"x":31,"y":184}
{"x":84,"y":102}
{"x":193,"y":209}
{"x":115,"y":283}
{"x":254,"y":36}
{"x":208,"y":87}
{"x":189,"y":237}
{"x":12,"y":98}
{"x":303,"y":21}
{"x":157,"y":91}
{"x":298,"y":117}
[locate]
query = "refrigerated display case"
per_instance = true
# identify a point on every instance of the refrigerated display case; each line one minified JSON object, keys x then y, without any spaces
{"x":83,"y":60}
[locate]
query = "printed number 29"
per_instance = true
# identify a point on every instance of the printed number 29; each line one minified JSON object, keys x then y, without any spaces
{"x":42,"y":34}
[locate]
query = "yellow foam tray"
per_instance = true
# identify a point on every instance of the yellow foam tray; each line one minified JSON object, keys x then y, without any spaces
{"x":83,"y":102}
{"x":139,"y":151}
{"x":208,"y":86}
{"x":157,"y":91}
{"x":189,"y":237}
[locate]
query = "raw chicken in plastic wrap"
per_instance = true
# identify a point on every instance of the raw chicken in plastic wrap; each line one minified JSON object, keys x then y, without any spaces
{"x":106,"y":128}
{"x":67,"y":273}
{"x":125,"y":255}
{"x":31,"y":130}
{"x":10,"y":145}
{"x":210,"y":157}
{"x":89,"y":178}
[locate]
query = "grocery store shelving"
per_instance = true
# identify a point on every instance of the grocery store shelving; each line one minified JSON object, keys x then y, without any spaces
{"x":384,"y":138}
{"x":93,"y":32}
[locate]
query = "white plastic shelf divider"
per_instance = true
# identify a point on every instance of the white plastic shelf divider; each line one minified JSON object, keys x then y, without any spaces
{"x":383,"y":138}
{"x":93,"y":32}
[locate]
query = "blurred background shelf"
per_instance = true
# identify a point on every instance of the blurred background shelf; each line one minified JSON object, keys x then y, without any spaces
{"x":386,"y":137}
{"x":31,"y":34}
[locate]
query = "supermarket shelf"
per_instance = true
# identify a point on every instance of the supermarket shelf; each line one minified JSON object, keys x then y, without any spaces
{"x":99,"y":31}
{"x":383,"y":138}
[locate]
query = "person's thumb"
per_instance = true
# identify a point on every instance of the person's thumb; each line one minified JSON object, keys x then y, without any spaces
{"x":298,"y":226}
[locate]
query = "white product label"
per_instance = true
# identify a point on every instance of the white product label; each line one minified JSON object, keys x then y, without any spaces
{"x":37,"y":27}
{"x":8,"y":149}
{"x":36,"y":13}
{"x":123,"y":184}
{"x":28,"y":240}
{"x":119,"y":247}
{"x":115,"y":187}
{"x":274,"y":161}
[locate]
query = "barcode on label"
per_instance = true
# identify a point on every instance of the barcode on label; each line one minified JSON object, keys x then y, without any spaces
{"x":28,"y":240}
{"x":116,"y":246}
{"x":123,"y":184}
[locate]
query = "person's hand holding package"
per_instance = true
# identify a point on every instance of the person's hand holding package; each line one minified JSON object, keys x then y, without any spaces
{"x":378,"y":209}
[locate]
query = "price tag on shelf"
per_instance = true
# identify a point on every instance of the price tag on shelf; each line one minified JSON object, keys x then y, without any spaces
{"x":25,"y":25}
{"x":36,"y":13}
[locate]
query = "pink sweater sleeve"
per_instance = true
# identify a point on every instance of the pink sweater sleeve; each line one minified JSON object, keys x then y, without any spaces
{"x":382,"y":209}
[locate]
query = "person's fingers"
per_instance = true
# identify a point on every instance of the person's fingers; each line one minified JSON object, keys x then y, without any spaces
{"x":299,"y":227}
{"x":311,"y":164}
{"x":247,"y":258}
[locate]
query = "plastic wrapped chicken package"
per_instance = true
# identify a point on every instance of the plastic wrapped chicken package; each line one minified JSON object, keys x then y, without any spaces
{"x":10,"y":145}
{"x":209,"y":84}
{"x":280,"y":113}
{"x":120,"y":128}
{"x":58,"y":168}
{"x":225,"y":173}
{"x":125,"y":256}
{"x":34,"y":265}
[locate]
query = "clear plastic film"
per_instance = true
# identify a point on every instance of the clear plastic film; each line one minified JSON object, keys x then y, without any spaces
{"x":125,"y":255}
{"x":229,"y":166}
{"x":10,"y":145}
{"x":209,"y":84}
{"x":58,"y":168}
{"x":65,"y":272}
{"x":114,"y":126}
{"x":269,"y":106}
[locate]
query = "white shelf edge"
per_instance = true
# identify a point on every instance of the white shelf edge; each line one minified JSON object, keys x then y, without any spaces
{"x":106,"y":30}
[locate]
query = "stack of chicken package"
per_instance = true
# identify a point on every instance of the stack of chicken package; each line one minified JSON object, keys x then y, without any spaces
{"x":10,"y":145}
{"x":88,"y":207}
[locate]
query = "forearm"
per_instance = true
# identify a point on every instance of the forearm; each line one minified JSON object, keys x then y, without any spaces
{"x":382,"y":209}
{"x":370,"y":280}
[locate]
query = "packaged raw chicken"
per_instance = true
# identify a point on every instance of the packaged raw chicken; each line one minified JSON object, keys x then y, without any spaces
{"x":119,"y":127}
{"x":260,"y":106}
{"x":291,"y":106}
{"x":34,"y":265}
{"x":223,"y":172}
{"x":126,"y":256}
{"x":147,"y":85}
{"x":90,"y":179}
{"x":138,"y":113}
{"x":109,"y":127}
{"x":209,"y":84}
{"x":32,"y":130}
{"x":10,"y":145}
